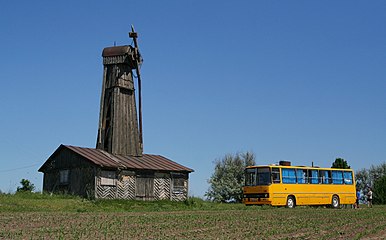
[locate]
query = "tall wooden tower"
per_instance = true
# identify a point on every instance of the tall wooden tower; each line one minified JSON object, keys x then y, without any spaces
{"x":119,"y":131}
{"x":117,"y":168}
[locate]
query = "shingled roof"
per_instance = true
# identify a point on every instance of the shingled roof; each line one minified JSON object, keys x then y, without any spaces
{"x":107,"y":160}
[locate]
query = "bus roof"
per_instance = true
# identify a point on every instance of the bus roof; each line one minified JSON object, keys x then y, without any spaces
{"x":297,"y":167}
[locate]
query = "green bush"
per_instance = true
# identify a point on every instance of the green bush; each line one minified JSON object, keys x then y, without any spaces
{"x":228,"y":178}
{"x":26,"y":186}
{"x":380,"y":191}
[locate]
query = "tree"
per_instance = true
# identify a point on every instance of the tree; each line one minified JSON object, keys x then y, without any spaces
{"x":26,"y":186}
{"x":340,"y":163}
{"x":228,"y":178}
{"x":376,"y":172}
{"x":366,"y":178}
{"x":380,"y":190}
{"x":362,"y":178}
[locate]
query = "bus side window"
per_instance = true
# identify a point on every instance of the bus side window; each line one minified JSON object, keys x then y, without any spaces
{"x":329,"y":178}
{"x":337,"y":177}
{"x":288,"y":175}
{"x":320,"y":176}
{"x":301,"y":175}
{"x":325,"y":176}
{"x":347,"y":177}
{"x":314,"y":177}
{"x":275,"y":175}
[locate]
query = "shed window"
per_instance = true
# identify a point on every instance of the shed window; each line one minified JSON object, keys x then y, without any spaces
{"x":64,"y":176}
{"x":108,"y":178}
{"x":178,"y":184}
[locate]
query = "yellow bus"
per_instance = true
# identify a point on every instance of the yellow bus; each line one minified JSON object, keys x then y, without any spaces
{"x":280,"y":185}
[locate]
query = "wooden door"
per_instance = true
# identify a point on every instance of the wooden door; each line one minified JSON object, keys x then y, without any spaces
{"x":144,"y":189}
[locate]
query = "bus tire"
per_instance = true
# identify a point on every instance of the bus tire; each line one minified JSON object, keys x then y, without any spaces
{"x":335,"y":203}
{"x":290,"y":202}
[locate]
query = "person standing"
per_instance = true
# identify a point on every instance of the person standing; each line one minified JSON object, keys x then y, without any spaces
{"x":370,"y":198}
{"x":358,"y":197}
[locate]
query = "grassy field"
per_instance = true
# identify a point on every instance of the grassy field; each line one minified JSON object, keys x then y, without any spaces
{"x":59,"y":217}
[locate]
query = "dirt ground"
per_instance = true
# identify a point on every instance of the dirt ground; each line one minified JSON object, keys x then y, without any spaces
{"x":251,"y":223}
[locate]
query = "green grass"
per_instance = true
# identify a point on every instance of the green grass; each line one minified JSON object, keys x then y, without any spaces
{"x":36,"y":202}
{"x":37,"y":216}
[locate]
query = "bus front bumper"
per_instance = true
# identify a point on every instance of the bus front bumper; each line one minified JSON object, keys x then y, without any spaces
{"x":256,"y":201}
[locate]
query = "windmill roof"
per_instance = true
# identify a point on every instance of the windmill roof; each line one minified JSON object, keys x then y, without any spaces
{"x":116,"y":51}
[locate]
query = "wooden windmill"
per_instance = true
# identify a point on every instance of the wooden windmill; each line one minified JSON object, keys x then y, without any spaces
{"x":119,"y":131}
{"x":117,"y":168}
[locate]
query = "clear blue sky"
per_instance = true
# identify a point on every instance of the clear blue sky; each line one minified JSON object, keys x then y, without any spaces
{"x":289,"y":80}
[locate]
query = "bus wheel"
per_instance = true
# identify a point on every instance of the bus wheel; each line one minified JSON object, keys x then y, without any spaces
{"x":335,"y":201}
{"x":290,"y":202}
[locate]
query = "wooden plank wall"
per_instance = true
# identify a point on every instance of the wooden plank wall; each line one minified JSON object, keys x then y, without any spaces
{"x":162,"y":189}
{"x":118,"y":131}
{"x":126,"y":187}
{"x":181,"y":195}
{"x":133,"y":186}
{"x":81,"y":175}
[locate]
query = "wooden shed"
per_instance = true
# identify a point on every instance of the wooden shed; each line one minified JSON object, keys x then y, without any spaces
{"x":95,"y":173}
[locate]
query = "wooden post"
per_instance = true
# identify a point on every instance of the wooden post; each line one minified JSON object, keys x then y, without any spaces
{"x":137,"y":57}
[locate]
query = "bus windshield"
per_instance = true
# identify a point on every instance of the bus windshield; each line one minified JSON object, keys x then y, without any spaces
{"x":257,"y":176}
